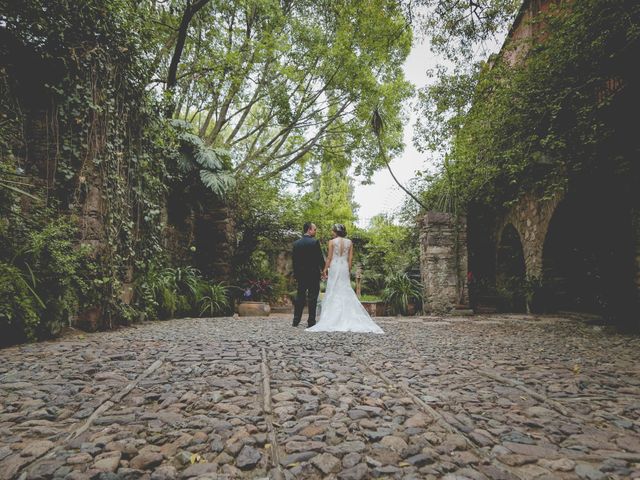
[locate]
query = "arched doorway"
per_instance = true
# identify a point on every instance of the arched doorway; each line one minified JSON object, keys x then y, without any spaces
{"x":588,"y":257}
{"x":511,"y":271}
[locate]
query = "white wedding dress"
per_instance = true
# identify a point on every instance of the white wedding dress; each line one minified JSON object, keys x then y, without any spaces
{"x":341,"y":311}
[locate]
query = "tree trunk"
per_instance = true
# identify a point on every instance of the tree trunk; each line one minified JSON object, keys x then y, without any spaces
{"x":172,"y":80}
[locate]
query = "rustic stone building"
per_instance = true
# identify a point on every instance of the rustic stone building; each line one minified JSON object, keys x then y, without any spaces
{"x":576,"y":250}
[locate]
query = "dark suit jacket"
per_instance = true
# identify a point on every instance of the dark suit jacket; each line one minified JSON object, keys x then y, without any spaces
{"x":308,"y":260}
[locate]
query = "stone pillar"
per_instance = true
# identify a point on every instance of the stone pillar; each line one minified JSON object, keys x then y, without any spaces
{"x":443,"y":261}
{"x":531,"y":217}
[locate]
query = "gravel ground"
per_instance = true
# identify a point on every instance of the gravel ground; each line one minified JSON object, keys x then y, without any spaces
{"x":492,"y":397}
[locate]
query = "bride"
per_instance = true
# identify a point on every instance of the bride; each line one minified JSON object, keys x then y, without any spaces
{"x":341,"y":310}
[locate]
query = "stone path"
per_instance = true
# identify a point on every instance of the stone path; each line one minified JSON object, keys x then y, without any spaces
{"x":506,"y":397}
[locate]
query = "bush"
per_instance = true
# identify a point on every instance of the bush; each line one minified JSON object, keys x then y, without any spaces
{"x":213,"y":299}
{"x":19,"y":312}
{"x":400,"y":290}
{"x":41,"y":277}
{"x":180,"y":291}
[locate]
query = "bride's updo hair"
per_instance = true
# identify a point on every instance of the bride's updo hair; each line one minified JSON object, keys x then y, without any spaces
{"x":340,"y":230}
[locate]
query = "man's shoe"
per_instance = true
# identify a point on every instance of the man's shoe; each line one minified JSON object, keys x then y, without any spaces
{"x":295,"y":324}
{"x":309,"y":325}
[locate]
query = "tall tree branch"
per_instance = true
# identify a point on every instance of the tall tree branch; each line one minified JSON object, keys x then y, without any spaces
{"x":190,"y":10}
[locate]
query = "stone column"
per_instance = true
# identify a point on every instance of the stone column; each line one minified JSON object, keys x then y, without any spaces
{"x":531,"y":217}
{"x":443,"y":261}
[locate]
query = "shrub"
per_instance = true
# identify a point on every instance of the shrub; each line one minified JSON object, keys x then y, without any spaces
{"x":42,"y":277}
{"x":400,"y":290}
{"x":213,"y":299}
{"x":19,"y":312}
{"x":180,"y":291}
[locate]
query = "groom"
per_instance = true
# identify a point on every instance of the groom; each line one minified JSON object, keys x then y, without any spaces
{"x":308,"y":263}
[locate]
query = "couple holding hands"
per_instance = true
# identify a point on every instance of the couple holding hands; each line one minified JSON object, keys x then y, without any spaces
{"x":341,"y":309}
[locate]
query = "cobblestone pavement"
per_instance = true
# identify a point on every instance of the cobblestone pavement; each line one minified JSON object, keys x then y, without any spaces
{"x":502,"y":397}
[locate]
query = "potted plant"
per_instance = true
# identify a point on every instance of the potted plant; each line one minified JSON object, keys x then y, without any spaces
{"x":374,"y":305}
{"x":255,"y":298}
{"x":403,"y":294}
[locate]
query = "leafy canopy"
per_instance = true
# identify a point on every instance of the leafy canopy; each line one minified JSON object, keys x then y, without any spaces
{"x":271,"y":80}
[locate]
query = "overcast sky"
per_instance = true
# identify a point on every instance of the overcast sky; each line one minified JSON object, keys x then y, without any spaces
{"x":384,"y":196}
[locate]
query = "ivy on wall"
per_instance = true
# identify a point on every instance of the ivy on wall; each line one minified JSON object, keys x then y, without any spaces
{"x":537,"y":122}
{"x":102,"y":171}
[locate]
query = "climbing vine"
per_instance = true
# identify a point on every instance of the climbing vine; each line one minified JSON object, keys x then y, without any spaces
{"x":87,"y":162}
{"x":103,"y":164}
{"x":542,"y":119}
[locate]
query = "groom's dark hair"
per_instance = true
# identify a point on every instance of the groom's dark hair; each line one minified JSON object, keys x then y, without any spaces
{"x":306,"y":227}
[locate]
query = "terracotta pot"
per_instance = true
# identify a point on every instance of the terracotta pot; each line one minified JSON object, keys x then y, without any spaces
{"x":374,"y":309}
{"x":254,"y":309}
{"x":89,"y":319}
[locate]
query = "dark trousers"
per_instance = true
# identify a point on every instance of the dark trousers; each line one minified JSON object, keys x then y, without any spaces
{"x":308,"y":288}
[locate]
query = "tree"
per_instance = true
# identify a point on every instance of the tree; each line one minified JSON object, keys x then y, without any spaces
{"x":331,"y":200}
{"x":456,"y":28}
{"x":271,"y":80}
{"x":190,"y":9}
{"x":388,"y":250}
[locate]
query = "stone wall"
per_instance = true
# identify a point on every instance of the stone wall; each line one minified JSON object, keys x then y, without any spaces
{"x":215,"y":239}
{"x":526,"y":25}
{"x":531,"y":217}
{"x":204,"y":239}
{"x":443,"y":261}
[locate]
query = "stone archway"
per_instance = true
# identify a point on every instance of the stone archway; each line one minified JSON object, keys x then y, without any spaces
{"x":587,"y":261}
{"x":511,"y":271}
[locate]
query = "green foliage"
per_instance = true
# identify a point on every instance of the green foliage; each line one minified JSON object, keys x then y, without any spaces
{"x":331,"y":199}
{"x":106,"y":141}
{"x":261,"y":290}
{"x":214,"y":299}
{"x":442,"y":106}
{"x":455,"y":29}
{"x":43,"y":275}
{"x":271,"y":80}
{"x":537,"y":122}
{"x":400,"y":290}
{"x":19,"y":307}
{"x":257,"y":274}
{"x":180,"y":291}
{"x":212,"y":165}
{"x":370,"y":298}
{"x":385,"y":249}
{"x":167,"y":292}
{"x":267,"y":218}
